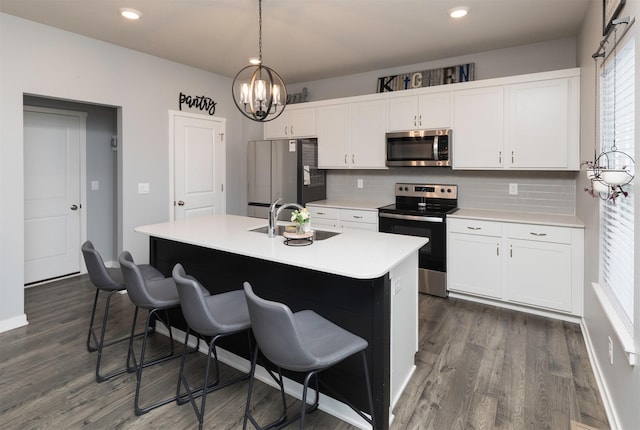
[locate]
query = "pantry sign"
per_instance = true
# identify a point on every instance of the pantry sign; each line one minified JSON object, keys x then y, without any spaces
{"x":427,"y":78}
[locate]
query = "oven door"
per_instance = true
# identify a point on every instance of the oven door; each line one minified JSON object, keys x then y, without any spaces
{"x":432,"y":276}
{"x":432,"y":256}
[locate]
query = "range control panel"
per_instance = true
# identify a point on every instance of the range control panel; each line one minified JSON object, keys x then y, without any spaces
{"x":428,"y":191}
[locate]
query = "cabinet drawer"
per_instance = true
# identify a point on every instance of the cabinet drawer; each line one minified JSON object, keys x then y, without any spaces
{"x":370,"y":217}
{"x":539,"y":233}
{"x":472,"y":226}
{"x":323,"y":212}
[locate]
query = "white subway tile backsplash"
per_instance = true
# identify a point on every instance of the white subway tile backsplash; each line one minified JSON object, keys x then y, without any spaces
{"x":541,"y":192}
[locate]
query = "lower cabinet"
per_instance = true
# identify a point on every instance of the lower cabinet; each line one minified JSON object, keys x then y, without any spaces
{"x":534,"y":265}
{"x":341,"y":218}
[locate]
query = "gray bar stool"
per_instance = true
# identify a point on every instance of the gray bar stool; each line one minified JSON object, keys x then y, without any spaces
{"x":157,"y":296}
{"x":214,"y":316}
{"x":299,"y":342}
{"x":110,"y":281}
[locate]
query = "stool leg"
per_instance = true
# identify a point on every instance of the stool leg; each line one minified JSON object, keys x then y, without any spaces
{"x":91,"y":333}
{"x":368,"y":385}
{"x":101,"y":344}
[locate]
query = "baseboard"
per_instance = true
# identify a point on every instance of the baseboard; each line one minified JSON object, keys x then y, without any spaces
{"x":15,"y":322}
{"x":605,"y":395}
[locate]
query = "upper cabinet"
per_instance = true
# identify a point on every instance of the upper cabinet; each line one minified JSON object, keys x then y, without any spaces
{"x":293,"y":123}
{"x":520,"y":126}
{"x":478,"y":123}
{"x":352,"y":135}
{"x":419,"y":112}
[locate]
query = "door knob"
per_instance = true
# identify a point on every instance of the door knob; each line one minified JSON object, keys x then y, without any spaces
{"x":180,"y":203}
{"x":74,"y":207}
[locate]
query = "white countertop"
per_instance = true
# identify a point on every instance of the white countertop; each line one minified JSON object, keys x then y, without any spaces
{"x":349,"y":204}
{"x":354,"y":253}
{"x":519,"y":217}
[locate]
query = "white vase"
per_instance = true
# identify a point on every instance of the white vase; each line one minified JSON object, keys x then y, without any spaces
{"x":615,"y":176}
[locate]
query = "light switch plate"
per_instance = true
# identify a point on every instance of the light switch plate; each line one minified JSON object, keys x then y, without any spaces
{"x":95,"y":185}
{"x":143,"y":188}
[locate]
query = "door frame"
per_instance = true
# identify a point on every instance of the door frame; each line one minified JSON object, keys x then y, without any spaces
{"x":83,"y":174}
{"x":172,"y":192}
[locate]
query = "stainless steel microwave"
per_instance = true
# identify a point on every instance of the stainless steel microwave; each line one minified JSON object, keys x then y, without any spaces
{"x":419,"y":148}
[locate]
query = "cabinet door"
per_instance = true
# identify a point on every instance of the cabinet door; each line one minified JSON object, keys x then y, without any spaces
{"x":277,"y":128}
{"x":434,"y":110}
{"x":539,"y":273}
{"x":302,"y":122}
{"x":538,"y":127}
{"x":359,"y":225}
{"x":474,"y":264}
{"x":478,"y":128}
{"x":403,"y":113}
{"x":333,"y":137}
{"x":368,"y":125}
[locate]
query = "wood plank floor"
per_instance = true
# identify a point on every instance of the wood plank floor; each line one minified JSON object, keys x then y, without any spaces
{"x":478,"y":367}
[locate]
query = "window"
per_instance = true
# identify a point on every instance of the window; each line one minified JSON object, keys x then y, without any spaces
{"x":617,"y":118}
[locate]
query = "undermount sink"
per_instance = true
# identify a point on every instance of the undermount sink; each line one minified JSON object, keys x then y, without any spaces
{"x":317,"y":234}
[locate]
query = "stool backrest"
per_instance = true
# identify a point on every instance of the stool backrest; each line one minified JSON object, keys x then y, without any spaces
{"x":97,"y":270}
{"x":192,"y":301}
{"x":134,"y":281}
{"x":276,"y":332}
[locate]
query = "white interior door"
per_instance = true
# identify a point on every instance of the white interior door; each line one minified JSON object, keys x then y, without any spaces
{"x":54,"y":142}
{"x":199,"y":165}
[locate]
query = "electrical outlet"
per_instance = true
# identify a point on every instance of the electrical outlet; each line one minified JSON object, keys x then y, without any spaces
{"x":143,"y":188}
{"x":513,"y":189}
{"x":360,"y":183}
{"x":610,"y":350}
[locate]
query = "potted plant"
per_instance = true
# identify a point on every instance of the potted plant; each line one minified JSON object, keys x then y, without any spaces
{"x":302,"y":219}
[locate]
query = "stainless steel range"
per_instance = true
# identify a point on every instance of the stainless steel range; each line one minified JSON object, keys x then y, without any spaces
{"x":421,"y":210}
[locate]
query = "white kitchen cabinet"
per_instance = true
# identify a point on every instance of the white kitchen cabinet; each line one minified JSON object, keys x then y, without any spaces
{"x":478,"y":128}
{"x":538,"y":266}
{"x":542,"y":130}
{"x":520,"y":126}
{"x":343,"y":218}
{"x":323,"y":216}
{"x":293,"y":123}
{"x":474,"y":263}
{"x":352,"y":135}
{"x":368,"y":143}
{"x":333,"y":136}
{"x":419,"y":112}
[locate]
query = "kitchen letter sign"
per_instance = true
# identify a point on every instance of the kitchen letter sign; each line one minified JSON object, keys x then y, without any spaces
{"x":427,"y":78}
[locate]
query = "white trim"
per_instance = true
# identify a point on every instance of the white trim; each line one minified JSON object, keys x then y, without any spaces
{"x":623,"y":335}
{"x":605,"y":395}
{"x":12,"y":323}
{"x":516,"y":307}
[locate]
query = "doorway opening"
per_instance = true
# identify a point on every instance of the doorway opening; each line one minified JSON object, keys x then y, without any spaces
{"x":101,"y":178}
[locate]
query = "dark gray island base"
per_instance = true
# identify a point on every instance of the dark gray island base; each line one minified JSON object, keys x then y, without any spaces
{"x":362,"y":306}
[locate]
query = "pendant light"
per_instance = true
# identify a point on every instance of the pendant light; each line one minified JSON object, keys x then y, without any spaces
{"x":259,"y":91}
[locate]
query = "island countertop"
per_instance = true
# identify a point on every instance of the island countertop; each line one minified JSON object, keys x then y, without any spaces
{"x":353,"y":253}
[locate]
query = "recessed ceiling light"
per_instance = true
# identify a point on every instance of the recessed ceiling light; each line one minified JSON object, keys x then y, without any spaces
{"x":254,"y":61}
{"x":130,"y":13}
{"x":459,"y":12}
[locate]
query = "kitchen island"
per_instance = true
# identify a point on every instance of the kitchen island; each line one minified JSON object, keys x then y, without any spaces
{"x":363,"y":281}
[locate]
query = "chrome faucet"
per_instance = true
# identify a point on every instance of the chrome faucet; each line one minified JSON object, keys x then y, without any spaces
{"x":275,"y":212}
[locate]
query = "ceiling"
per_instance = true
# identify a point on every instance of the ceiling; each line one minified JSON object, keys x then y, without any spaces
{"x":306,"y":40}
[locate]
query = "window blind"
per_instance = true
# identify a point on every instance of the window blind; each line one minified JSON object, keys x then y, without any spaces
{"x":617,"y":118}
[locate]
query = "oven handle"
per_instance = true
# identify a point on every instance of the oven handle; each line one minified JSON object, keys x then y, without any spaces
{"x":412,"y":217}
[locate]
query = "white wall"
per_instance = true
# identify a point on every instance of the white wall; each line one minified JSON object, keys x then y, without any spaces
{"x":621,"y":381}
{"x":538,"y":57}
{"x":40,"y":60}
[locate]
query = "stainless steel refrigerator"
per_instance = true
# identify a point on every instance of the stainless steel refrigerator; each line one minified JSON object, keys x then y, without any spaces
{"x":286,"y":169}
